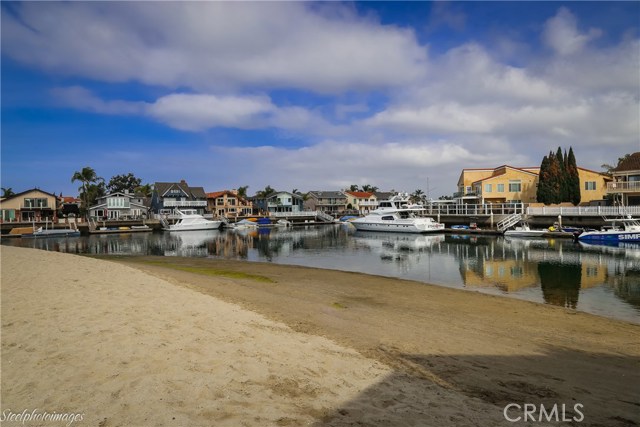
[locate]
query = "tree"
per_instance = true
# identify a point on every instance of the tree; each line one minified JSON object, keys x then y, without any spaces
{"x":266,"y":193}
{"x":88,"y":177}
{"x":573,"y":191}
{"x":353,"y":187}
{"x":609,"y":169}
{"x":146,"y":190}
{"x":417,"y":196}
{"x":7,"y":192}
{"x":563,"y":178}
{"x":369,"y":188}
{"x":122,"y":183}
{"x":242,"y":191}
{"x":543,"y":191}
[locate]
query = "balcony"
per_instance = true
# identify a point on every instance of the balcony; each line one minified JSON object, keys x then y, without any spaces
{"x":185,"y":203}
{"x":367,"y":203}
{"x":460,"y":194}
{"x":623,"y":187}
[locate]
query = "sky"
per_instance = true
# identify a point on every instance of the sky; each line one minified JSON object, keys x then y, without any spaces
{"x":312,"y":95}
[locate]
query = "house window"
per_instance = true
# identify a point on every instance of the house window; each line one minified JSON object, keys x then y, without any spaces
{"x":488,"y":188}
{"x":220,"y":202}
{"x":590,"y":185}
{"x":35,"y":203}
{"x":515,"y":186}
{"x":500,"y":188}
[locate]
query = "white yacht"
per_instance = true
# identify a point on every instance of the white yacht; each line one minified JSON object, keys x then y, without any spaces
{"x":189,"y":220}
{"x":398,"y":215}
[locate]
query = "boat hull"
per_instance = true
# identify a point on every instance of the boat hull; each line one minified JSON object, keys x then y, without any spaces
{"x":397,"y":227}
{"x":610,"y":236}
{"x":52,"y":233}
{"x":525,"y":233}
{"x":211,"y":225}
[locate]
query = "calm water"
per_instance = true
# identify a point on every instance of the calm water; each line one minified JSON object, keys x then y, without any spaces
{"x":597,"y":279}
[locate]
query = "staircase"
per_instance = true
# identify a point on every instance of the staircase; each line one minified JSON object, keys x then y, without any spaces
{"x":163,"y":222}
{"x":509,"y":221}
{"x":325,"y":217}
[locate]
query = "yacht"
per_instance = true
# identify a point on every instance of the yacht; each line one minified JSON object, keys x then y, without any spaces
{"x":189,"y":220}
{"x":398,"y":215}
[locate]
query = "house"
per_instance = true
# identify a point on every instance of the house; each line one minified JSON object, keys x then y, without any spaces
{"x":70,"y":205}
{"x":168,"y":197}
{"x":119,"y":205}
{"x":330,"y":202}
{"x":625,"y":186}
{"x":30,"y":205}
{"x":362,"y":201}
{"x":508,"y":184}
{"x":227,"y":203}
{"x":281,"y":201}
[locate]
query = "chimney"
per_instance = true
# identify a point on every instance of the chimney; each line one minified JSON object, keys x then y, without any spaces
{"x":182,"y":181}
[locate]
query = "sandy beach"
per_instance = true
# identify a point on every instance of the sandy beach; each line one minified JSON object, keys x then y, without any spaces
{"x":154,"y":341}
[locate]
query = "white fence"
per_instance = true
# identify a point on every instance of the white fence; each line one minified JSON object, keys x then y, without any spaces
{"x":585,"y":210}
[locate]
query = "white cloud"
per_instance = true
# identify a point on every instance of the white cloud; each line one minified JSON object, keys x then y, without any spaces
{"x":211,"y":46}
{"x":562,"y":35}
{"x":195,"y":112}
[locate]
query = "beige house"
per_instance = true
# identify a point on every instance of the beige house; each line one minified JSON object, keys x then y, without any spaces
{"x":227,"y":203}
{"x":508,"y":184}
{"x":362,"y":201}
{"x":28,"y":206}
{"x":625,"y":185}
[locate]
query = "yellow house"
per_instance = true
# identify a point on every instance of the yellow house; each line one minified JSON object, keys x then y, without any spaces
{"x":508,"y":184}
{"x":362,"y":201}
{"x":30,"y":205}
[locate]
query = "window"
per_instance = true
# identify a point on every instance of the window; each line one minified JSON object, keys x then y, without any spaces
{"x":487,"y":188}
{"x":35,"y":203}
{"x":500,"y":188}
{"x":515,"y":186}
{"x":387,"y":218}
{"x":590,"y":185}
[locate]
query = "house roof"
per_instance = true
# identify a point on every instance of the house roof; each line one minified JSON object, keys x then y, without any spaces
{"x":216,"y":194}
{"x":501,"y":170}
{"x":28,"y":191}
{"x":359,"y":194}
{"x":70,"y":199}
{"x":327,"y":194}
{"x":631,"y":163}
{"x":195,"y":192}
{"x":295,"y":195}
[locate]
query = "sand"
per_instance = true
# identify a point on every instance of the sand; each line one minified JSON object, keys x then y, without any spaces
{"x":192,"y":342}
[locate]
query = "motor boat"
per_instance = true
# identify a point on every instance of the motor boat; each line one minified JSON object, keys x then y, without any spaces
{"x":523,"y":230}
{"x":189,"y":221}
{"x":626,"y":229}
{"x":398,"y":215}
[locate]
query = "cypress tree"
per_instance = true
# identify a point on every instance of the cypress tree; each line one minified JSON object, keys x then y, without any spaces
{"x":563,"y":189}
{"x":574,"y":178}
{"x":555,"y":178}
{"x":542,"y":194}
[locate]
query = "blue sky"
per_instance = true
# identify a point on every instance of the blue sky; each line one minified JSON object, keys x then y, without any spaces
{"x":313,"y":95}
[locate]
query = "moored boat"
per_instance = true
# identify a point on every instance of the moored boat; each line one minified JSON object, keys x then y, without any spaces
{"x":397,"y":215}
{"x":626,"y":229}
{"x":523,"y":230}
{"x":191,"y":221}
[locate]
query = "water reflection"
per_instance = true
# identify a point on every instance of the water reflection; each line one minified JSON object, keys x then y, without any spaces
{"x":599,"y":279}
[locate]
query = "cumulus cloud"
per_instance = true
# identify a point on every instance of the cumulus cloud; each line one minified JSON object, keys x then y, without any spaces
{"x":212,"y":45}
{"x":562,"y":35}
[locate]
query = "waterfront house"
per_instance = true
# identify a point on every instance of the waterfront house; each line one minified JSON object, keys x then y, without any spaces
{"x":330,"y":202}
{"x":30,"y":205}
{"x":625,"y":186}
{"x":227,"y":203}
{"x":280,"y":201}
{"x":168,"y":197}
{"x":119,"y":205}
{"x":508,"y":184}
{"x":362,"y":201}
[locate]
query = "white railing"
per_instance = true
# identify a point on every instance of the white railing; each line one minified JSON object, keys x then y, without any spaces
{"x":585,"y":210}
{"x":367,"y":203}
{"x":288,"y":214}
{"x":185,"y":203}
{"x":476,"y":210}
{"x":623,"y":186}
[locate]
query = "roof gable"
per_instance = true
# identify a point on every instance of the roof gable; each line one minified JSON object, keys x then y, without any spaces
{"x":631,"y":163}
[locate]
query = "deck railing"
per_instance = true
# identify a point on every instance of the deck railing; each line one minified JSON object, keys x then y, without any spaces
{"x":584,"y":210}
{"x":623,"y":187}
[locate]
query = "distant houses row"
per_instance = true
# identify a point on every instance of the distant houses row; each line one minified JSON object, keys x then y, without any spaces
{"x":503,"y":184}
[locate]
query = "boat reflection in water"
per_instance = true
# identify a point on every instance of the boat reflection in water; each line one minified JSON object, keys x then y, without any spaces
{"x":603,"y":280}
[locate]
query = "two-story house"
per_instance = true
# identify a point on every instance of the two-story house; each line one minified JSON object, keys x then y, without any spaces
{"x":119,"y":205}
{"x":29,"y":205}
{"x":168,"y":197}
{"x":362,"y":201}
{"x":508,"y":184}
{"x":625,"y":186}
{"x":227,"y":203}
{"x":330,"y":202}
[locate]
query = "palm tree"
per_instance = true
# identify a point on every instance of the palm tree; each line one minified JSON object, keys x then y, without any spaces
{"x":7,"y":192}
{"x":242,"y":191}
{"x":417,"y":196}
{"x":86,"y":176}
{"x":146,"y":190}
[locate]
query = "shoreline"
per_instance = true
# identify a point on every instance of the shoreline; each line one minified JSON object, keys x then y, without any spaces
{"x":409,"y":353}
